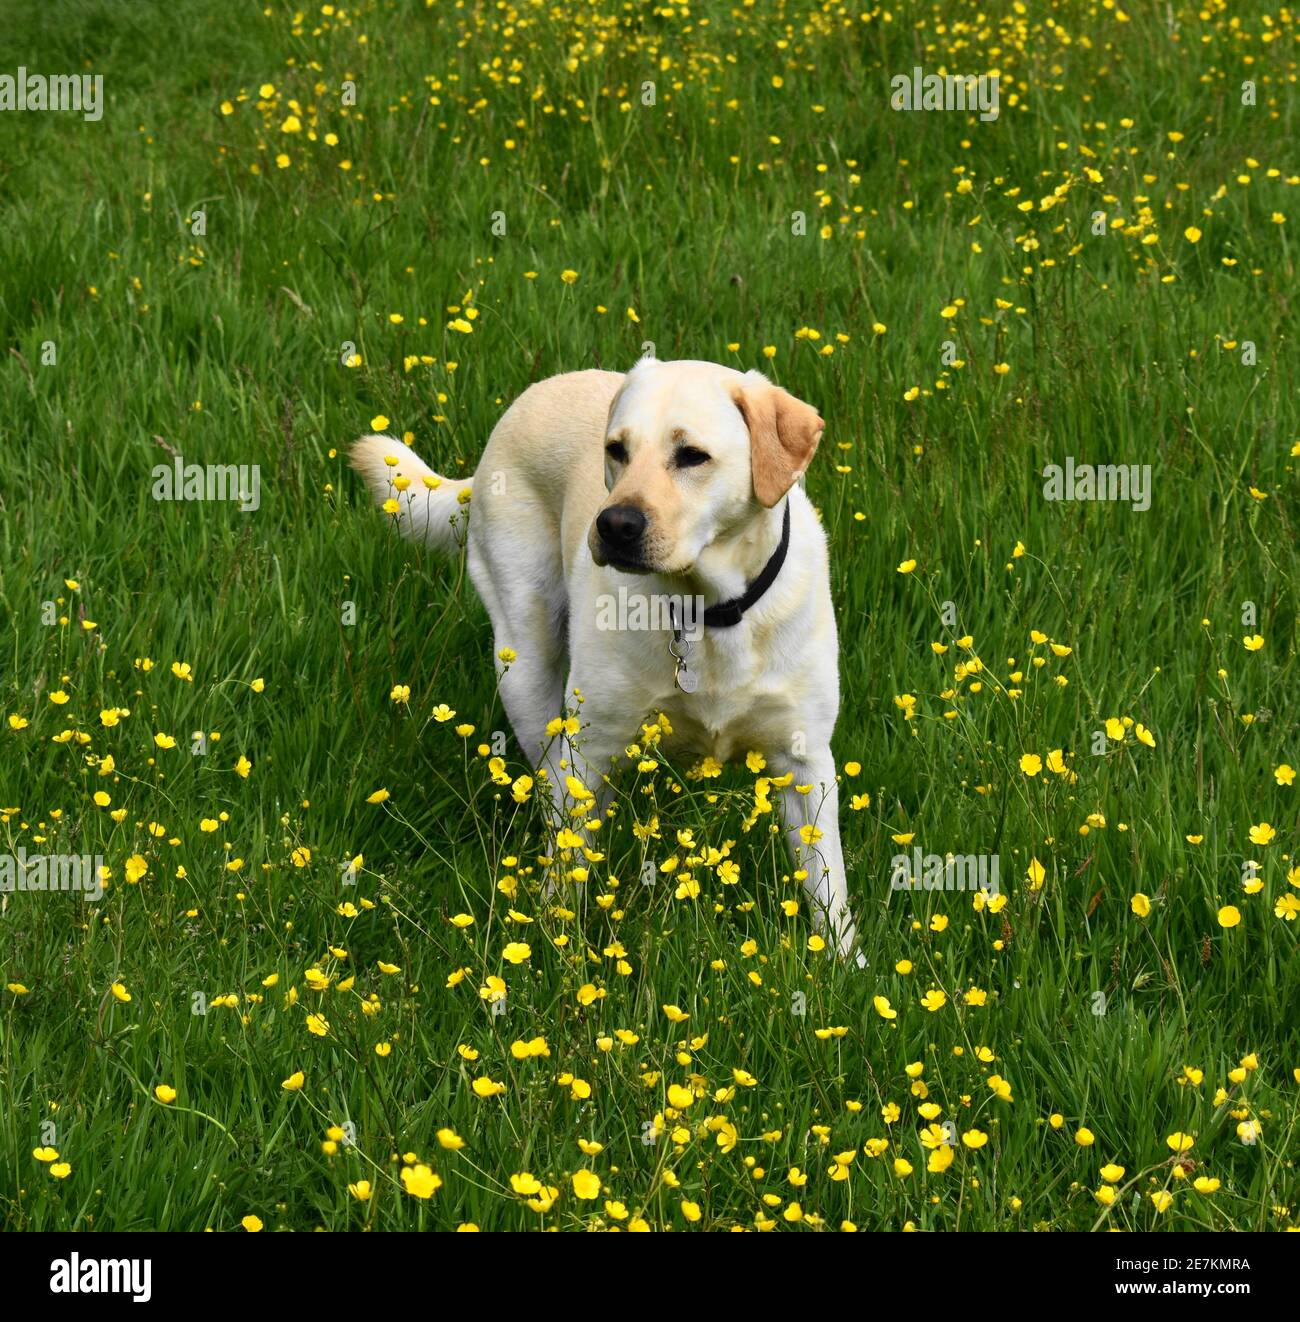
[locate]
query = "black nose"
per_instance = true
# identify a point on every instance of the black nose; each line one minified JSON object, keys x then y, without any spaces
{"x":621,"y":526}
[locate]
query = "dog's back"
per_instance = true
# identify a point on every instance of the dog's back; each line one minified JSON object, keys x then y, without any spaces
{"x":545,"y":456}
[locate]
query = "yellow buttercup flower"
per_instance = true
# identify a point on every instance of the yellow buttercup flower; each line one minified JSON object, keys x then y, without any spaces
{"x":586,"y":1185}
{"x":419,"y":1181}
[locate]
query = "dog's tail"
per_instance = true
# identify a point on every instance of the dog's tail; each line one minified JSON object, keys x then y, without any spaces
{"x":425,"y":505}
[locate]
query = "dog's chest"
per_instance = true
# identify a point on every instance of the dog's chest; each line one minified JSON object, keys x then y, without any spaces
{"x":768,"y":685}
{"x":724,"y":729}
{"x":743,"y":703}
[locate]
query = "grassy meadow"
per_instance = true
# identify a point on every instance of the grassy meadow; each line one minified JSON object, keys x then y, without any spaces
{"x":300,"y":1003}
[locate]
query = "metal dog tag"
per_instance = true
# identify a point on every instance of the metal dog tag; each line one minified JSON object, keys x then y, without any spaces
{"x":679,"y":649}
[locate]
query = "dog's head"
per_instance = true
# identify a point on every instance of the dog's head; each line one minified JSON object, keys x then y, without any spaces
{"x":693,"y":453}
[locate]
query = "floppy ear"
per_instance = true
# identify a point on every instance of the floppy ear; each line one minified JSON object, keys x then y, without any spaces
{"x":783,"y":436}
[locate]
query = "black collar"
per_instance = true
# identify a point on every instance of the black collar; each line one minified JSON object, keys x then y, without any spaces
{"x":727,"y":613}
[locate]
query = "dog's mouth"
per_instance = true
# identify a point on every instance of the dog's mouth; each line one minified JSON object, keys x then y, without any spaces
{"x":629,"y":561}
{"x":621,"y":560}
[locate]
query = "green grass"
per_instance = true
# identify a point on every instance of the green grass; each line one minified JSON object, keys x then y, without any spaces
{"x":228,"y":347}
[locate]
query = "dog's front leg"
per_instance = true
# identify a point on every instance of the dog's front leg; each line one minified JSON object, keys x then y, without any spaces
{"x":810,"y":808}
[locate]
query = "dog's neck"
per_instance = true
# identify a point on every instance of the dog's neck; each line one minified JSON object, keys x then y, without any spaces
{"x":728,"y":565}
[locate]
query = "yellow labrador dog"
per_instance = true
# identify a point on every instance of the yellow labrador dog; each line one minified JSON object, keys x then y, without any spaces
{"x":642,"y":539}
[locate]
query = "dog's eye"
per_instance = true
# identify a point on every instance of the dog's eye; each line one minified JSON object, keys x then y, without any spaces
{"x":617,"y":451}
{"x":689,"y":457}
